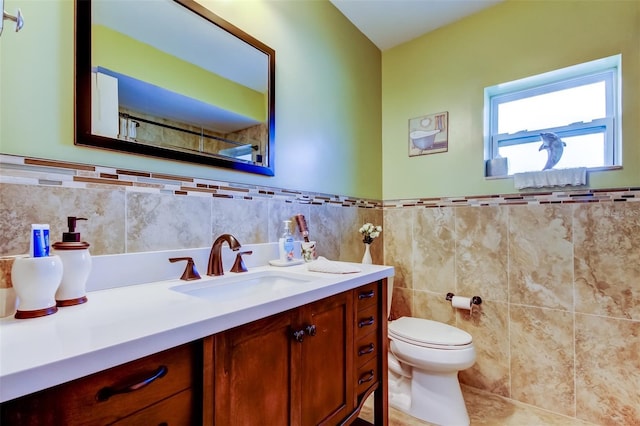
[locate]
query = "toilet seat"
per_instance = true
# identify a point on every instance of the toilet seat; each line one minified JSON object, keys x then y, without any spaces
{"x":429,"y":334}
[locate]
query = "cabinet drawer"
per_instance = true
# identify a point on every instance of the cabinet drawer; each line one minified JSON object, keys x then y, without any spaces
{"x":366,"y":348}
{"x":109,"y":395}
{"x":367,"y":296}
{"x":366,"y":321}
{"x":367,"y":376}
{"x":173,"y":411}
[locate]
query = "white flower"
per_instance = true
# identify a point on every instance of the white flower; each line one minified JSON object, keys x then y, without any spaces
{"x":370,"y":232}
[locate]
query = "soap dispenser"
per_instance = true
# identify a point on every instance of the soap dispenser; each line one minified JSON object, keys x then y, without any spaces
{"x":76,"y":263}
{"x":285,"y":243}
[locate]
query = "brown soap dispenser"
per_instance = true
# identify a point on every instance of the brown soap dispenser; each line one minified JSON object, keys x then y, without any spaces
{"x":76,"y":264}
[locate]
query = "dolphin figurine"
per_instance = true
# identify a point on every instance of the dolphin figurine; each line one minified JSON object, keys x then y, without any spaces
{"x":554,"y":146}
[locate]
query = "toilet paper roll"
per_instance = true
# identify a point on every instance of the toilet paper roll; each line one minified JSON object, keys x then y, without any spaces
{"x":459,"y":302}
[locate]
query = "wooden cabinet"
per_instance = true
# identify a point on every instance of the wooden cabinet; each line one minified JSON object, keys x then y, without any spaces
{"x":313,"y":365}
{"x":161,"y":389}
{"x":293,"y":368}
{"x":367,"y":328}
{"x":370,"y":349}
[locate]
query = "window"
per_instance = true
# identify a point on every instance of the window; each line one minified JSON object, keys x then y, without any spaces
{"x":580,"y":104}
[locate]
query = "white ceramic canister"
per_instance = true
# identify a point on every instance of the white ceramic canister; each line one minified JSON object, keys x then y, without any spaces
{"x":77,"y":266}
{"x":35,"y":281}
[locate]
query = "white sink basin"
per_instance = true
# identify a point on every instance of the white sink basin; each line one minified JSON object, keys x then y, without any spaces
{"x":262,"y":286}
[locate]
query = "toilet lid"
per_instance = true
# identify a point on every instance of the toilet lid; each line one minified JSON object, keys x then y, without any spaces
{"x":424,"y":332}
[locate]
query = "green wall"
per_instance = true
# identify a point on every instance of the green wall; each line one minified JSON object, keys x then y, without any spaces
{"x":328,"y":90}
{"x":448,"y":69}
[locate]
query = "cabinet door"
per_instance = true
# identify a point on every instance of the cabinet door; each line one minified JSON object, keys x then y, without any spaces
{"x":253,"y":375}
{"x":326,"y":368}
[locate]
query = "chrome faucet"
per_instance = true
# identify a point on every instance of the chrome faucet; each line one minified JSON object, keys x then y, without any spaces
{"x":215,"y":257}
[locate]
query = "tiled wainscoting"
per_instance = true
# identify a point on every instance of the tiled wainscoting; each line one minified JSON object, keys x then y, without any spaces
{"x":559,"y":276}
{"x":132,"y":211}
{"x":558,"y":272}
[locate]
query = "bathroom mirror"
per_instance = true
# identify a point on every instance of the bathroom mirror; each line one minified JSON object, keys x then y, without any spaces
{"x":170,"y":79}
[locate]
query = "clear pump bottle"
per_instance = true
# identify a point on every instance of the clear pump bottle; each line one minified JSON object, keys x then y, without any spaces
{"x":285,"y":243}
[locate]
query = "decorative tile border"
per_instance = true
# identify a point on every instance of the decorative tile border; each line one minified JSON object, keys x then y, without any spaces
{"x":631,"y":194}
{"x":33,"y":171}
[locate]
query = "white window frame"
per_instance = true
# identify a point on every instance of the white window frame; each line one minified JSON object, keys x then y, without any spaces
{"x":606,"y":69}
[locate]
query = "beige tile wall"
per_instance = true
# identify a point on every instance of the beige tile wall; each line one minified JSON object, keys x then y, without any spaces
{"x":131,"y":211}
{"x":559,"y":273}
{"x":559,"y":326}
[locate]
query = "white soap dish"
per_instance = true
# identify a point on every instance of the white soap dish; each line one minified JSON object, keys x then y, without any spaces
{"x":279,"y":262}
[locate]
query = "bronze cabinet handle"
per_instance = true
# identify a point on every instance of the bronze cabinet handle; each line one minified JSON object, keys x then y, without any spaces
{"x":367,"y":295}
{"x":298,"y":335}
{"x":366,"y":377}
{"x":366,"y":322}
{"x":311,"y":330}
{"x":364,"y":350}
{"x":107,"y":392}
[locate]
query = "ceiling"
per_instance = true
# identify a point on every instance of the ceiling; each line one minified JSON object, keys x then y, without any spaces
{"x":388,"y":23}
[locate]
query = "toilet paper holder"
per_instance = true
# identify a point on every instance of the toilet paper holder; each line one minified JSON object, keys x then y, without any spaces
{"x":476,"y":300}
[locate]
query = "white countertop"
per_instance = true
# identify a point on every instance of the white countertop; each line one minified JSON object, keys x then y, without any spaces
{"x":122,"y":324}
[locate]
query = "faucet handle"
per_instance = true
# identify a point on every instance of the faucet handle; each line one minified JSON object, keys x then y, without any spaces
{"x":190,"y":272}
{"x":238,"y":265}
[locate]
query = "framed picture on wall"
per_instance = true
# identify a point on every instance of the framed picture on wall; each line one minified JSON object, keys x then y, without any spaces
{"x":429,"y":134}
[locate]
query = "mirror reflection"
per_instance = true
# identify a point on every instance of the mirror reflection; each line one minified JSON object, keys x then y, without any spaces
{"x":168,"y":78}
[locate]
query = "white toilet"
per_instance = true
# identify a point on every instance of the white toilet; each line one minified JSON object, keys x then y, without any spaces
{"x":424,"y":359}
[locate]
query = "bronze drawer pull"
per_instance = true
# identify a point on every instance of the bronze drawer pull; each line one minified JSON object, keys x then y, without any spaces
{"x":367,"y":295}
{"x":298,"y":335}
{"x":366,"y":349}
{"x":369,"y":377}
{"x":366,"y":322}
{"x":107,"y":392}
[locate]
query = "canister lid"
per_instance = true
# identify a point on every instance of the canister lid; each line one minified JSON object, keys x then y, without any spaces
{"x":70,"y":245}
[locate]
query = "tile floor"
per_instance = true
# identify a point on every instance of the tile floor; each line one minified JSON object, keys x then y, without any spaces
{"x":487,"y":409}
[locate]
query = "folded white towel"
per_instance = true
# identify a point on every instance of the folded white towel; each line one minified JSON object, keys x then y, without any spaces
{"x":322,"y":264}
{"x":555,"y":177}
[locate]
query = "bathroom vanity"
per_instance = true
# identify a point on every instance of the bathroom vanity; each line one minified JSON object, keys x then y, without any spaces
{"x":309,"y":355}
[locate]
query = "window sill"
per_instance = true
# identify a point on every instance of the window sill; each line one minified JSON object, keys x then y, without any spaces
{"x":589,"y":170}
